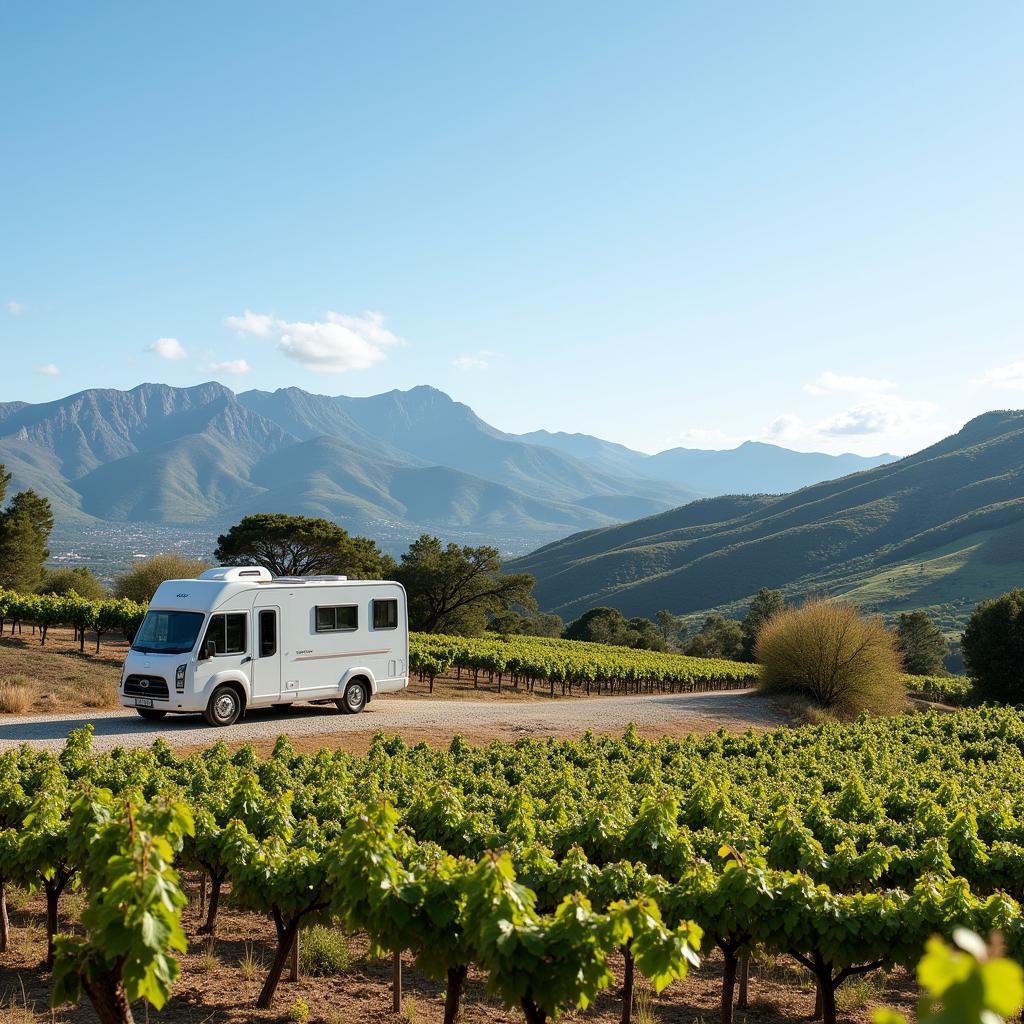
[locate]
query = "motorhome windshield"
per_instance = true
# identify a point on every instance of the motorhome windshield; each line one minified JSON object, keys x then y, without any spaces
{"x":168,"y":632}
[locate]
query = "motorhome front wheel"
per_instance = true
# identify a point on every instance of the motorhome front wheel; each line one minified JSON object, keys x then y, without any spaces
{"x":225,"y":706}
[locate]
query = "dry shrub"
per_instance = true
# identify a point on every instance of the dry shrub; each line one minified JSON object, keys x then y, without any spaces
{"x":15,"y":695}
{"x":834,"y":656}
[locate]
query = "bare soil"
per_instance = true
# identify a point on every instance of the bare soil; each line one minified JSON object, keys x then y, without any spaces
{"x":216,"y":988}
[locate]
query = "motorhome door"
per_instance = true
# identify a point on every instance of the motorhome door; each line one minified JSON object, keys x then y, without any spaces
{"x":266,"y":665}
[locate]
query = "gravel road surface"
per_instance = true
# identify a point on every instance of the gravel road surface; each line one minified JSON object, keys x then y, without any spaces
{"x":419,"y":719}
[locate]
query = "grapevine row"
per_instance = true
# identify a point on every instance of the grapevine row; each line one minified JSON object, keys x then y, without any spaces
{"x":844,"y":846}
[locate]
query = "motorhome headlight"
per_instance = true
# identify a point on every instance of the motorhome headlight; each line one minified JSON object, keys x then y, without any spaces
{"x":179,"y":679}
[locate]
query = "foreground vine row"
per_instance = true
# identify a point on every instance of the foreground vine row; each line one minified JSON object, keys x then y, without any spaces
{"x":845,"y":847}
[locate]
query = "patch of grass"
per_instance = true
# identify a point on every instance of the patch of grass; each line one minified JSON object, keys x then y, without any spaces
{"x":643,"y":1004}
{"x":17,"y":898}
{"x":860,"y":992}
{"x":324,"y":952}
{"x":15,"y":1008}
{"x":16,"y":695}
{"x":251,"y":966}
{"x":409,"y":1009}
{"x":208,"y":960}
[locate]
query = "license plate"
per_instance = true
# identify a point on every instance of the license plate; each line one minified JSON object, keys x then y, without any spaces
{"x":143,"y":702}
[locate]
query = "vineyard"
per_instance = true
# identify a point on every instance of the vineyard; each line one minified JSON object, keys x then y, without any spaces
{"x":844,"y":847}
{"x":517,"y":662}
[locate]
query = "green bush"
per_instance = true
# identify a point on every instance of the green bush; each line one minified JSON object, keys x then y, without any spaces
{"x":993,"y":648}
{"x":834,"y":656}
{"x":324,"y":952}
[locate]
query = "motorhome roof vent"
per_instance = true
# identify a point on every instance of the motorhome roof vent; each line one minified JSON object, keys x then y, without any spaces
{"x":237,"y":574}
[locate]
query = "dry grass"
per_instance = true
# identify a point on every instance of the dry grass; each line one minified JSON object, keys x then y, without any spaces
{"x":58,"y":678}
{"x":16,"y":695}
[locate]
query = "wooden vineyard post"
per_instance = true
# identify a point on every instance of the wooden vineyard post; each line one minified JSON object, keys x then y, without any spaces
{"x":396,"y":982}
{"x":294,"y":975}
{"x":741,"y":1003}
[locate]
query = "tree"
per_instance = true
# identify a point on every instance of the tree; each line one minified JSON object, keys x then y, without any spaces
{"x":831,"y":654}
{"x":922,"y":644}
{"x":763,"y":608}
{"x":644,"y":635}
{"x":22,"y":553}
{"x":610,"y":626}
{"x":454,"y":589}
{"x":79,"y":579}
{"x":993,"y":647}
{"x":25,"y":527}
{"x":669,"y":626}
{"x":719,"y":637}
{"x":38,"y":511}
{"x":517,"y":624}
{"x":139,"y":584}
{"x":301,"y":546}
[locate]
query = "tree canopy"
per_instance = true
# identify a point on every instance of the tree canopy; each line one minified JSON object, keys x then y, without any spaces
{"x":25,"y":527}
{"x":455,"y":589}
{"x":763,"y":608}
{"x":609,"y":626}
{"x":718,"y":637}
{"x":302,"y":546}
{"x":140,"y":583}
{"x":922,"y":644}
{"x":993,"y":647}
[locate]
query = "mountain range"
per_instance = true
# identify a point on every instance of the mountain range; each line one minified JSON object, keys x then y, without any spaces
{"x":390,"y":465}
{"x":940,"y":529}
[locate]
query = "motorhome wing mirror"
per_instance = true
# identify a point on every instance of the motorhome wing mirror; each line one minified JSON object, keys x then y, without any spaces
{"x":209,"y":649}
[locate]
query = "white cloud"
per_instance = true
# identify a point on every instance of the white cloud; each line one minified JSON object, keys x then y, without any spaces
{"x":829,"y":383}
{"x":15,"y":308}
{"x":785,"y":428}
{"x":259,"y":324}
{"x":470,"y":363}
{"x":889,"y":415}
{"x":49,"y":370}
{"x":168,"y":348}
{"x":339,"y":343}
{"x":1005,"y":378}
{"x":231,"y":366}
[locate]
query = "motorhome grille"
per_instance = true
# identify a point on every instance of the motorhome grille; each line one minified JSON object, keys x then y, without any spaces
{"x":146,"y":686}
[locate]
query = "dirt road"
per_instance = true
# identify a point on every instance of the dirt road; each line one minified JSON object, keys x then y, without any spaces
{"x":435,"y":721}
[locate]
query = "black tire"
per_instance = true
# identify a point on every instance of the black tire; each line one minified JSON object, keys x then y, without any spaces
{"x":225,"y":707}
{"x":150,"y":714}
{"x":354,"y":699}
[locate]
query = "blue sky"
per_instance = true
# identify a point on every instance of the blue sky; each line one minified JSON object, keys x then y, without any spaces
{"x":660,"y":223}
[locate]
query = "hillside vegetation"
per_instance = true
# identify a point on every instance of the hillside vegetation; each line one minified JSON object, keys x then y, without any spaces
{"x":940,"y":529}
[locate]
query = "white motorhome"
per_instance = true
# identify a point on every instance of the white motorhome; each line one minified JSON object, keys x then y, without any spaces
{"x":238,"y":638}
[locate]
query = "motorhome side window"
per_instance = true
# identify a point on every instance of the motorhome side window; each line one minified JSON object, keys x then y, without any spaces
{"x":333,"y":618}
{"x":228,"y":632}
{"x":385,"y":614}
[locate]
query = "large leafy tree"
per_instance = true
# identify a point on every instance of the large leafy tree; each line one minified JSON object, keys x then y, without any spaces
{"x":922,"y":644}
{"x":765,"y":605}
{"x":609,"y":626}
{"x":140,"y":583}
{"x":993,"y":647}
{"x":25,"y":527}
{"x":719,"y":637}
{"x":302,"y":546}
{"x":455,"y":589}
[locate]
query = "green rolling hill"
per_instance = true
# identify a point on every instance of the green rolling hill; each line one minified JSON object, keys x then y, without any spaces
{"x":939,"y":529}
